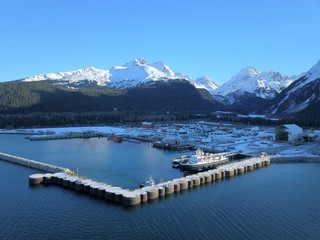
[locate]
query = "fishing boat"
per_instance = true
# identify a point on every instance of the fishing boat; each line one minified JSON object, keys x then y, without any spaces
{"x":201,"y":161}
{"x":147,"y":183}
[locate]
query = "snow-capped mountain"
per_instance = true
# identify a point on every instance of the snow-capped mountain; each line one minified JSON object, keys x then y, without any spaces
{"x":302,"y":96}
{"x":249,"y":81}
{"x":206,"y":83}
{"x":91,"y":74}
{"x":184,"y":76}
{"x":137,"y":72}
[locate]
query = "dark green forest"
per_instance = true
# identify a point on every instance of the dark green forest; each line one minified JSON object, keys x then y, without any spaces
{"x":43,"y":104}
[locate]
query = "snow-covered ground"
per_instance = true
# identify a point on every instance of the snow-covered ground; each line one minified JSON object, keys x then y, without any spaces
{"x":206,"y":135}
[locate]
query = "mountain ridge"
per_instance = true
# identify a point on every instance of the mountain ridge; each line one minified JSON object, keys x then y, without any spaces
{"x":136,"y":72}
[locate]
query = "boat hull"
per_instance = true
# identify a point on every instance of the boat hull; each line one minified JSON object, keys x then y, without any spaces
{"x":115,"y":139}
{"x":201,"y":166}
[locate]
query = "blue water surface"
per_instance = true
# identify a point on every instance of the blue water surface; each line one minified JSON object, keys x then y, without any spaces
{"x":276,"y":202}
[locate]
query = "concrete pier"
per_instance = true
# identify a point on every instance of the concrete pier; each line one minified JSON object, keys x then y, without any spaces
{"x":45,"y":167}
{"x":138,"y":196}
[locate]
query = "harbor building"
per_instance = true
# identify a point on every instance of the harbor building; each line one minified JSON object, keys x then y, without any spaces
{"x":288,"y":132}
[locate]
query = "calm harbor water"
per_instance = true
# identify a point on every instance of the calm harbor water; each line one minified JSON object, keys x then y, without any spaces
{"x":277,"y":202}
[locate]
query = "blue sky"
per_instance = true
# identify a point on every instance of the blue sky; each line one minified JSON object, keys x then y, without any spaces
{"x":202,"y":37}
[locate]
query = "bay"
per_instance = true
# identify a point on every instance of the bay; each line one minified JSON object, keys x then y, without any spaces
{"x":276,"y":202}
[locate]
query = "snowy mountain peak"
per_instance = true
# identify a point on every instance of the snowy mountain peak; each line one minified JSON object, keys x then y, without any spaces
{"x":313,"y":73}
{"x":205,"y":82}
{"x":134,"y":73}
{"x":249,"y":80}
{"x":184,"y":76}
{"x":302,"y":96}
{"x":139,"y":61}
{"x":248,"y":71}
{"x":163,"y":68}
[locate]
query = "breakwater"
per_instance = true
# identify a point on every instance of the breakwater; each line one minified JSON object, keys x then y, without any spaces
{"x":149,"y":193}
{"x":45,"y":167}
{"x":66,"y":136}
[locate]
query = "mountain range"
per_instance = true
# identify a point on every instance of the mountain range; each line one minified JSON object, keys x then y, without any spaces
{"x":301,"y":98}
{"x":248,"y":91}
{"x":137,"y":72}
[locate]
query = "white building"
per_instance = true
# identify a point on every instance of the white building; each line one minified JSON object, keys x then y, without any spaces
{"x":288,"y":132}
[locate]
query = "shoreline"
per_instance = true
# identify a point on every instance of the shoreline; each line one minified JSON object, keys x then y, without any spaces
{"x":295,"y":159}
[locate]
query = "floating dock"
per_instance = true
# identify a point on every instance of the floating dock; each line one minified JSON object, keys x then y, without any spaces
{"x":149,"y":193}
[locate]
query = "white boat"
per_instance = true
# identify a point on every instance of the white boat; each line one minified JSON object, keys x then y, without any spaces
{"x":147,"y":183}
{"x":177,"y":161}
{"x":202,"y":161}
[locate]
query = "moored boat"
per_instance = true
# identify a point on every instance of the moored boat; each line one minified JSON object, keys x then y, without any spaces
{"x":147,"y":183}
{"x":201,"y":161}
{"x":115,"y":139}
{"x":176,"y":161}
